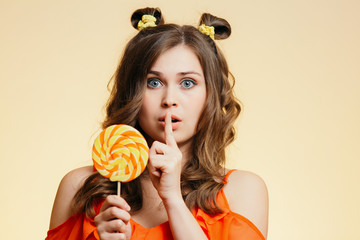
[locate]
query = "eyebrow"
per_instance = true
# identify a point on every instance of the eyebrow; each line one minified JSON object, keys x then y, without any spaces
{"x":157,"y":73}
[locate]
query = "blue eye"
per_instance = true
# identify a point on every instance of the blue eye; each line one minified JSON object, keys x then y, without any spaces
{"x":188,"y":83}
{"x":153,"y":83}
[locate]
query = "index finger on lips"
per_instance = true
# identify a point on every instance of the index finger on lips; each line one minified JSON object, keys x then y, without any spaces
{"x":169,"y":135}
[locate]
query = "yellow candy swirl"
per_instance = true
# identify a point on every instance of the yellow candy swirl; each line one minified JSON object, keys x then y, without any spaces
{"x":120,"y":153}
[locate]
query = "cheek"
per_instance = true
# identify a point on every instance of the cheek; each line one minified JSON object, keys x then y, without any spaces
{"x":146,"y":104}
{"x":146,"y":110}
{"x":198,"y":104}
{"x":144,"y":113}
{"x":201,"y":99}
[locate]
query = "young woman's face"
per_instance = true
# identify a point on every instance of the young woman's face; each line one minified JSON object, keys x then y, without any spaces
{"x":175,"y":84}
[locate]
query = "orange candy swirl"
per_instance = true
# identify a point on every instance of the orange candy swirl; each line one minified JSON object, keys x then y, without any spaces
{"x":120,"y":153}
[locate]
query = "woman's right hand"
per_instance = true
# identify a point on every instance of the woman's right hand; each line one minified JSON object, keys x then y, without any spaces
{"x":113,"y":220}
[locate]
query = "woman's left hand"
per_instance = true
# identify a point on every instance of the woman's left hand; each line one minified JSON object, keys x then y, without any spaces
{"x":165,"y":165}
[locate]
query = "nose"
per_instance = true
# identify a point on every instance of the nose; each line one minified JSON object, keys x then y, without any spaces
{"x":169,"y":98}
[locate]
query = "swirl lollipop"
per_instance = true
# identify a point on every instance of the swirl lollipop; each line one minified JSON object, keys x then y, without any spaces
{"x":120,"y":153}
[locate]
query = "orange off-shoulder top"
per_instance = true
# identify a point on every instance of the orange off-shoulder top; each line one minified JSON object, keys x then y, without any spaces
{"x":227,"y":225}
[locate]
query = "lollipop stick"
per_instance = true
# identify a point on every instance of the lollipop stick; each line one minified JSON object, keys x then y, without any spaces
{"x":119,"y":189}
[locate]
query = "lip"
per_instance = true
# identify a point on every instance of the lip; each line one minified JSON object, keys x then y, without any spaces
{"x":175,"y":125}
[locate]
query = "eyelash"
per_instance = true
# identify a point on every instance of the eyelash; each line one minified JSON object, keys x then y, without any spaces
{"x":151,"y":80}
{"x":187,"y":80}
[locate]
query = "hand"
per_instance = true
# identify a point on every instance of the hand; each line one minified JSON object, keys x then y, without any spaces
{"x":165,"y":165}
{"x":113,"y":221}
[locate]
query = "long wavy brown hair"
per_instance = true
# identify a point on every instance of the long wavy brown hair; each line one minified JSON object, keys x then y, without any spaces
{"x":201,"y":177}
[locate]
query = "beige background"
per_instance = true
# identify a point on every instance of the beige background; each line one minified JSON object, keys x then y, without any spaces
{"x":297,"y":65}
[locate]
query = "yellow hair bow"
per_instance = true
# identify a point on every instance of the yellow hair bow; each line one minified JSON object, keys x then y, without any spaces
{"x":207,"y":30}
{"x":146,"y":21}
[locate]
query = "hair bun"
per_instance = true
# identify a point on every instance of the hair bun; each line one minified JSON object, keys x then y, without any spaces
{"x":221,"y":26}
{"x":137,"y":16}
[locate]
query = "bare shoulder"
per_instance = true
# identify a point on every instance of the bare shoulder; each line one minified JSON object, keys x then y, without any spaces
{"x":247,"y":195}
{"x":68,"y":187}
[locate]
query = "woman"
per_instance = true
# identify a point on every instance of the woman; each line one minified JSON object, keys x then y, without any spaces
{"x":172,"y":84}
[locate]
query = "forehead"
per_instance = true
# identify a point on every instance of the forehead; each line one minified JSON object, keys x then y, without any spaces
{"x":177,"y":59}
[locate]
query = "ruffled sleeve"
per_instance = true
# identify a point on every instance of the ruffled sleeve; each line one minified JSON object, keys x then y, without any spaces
{"x":227,"y":225}
{"x":77,"y":227}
